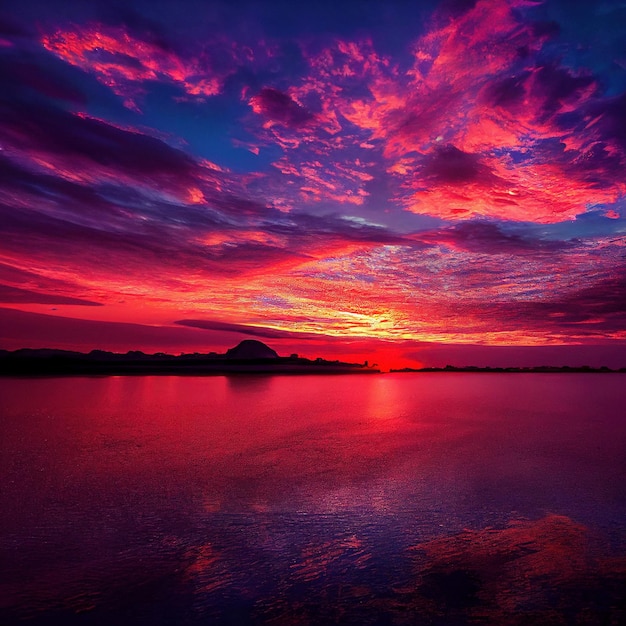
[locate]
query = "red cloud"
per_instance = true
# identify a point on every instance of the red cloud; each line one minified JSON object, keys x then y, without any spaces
{"x":474,"y":90}
{"x":475,"y":85}
{"x":476,"y":127}
{"x":123,"y":62}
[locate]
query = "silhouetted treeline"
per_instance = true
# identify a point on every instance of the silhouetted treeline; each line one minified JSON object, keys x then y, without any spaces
{"x":50,"y":362}
{"x":540,"y":369}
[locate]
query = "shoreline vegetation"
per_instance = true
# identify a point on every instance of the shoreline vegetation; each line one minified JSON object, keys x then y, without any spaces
{"x":248,"y":357}
{"x":540,"y":369}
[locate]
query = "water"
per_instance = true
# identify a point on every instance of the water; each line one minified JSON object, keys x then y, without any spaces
{"x":395,"y":499}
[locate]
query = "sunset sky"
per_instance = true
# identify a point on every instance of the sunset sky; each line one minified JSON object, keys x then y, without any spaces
{"x":413,"y":183}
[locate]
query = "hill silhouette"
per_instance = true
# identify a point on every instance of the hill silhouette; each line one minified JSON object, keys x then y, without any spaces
{"x":251,"y":349}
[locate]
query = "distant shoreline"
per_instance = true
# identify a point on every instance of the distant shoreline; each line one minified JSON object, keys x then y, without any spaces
{"x":542,"y":369}
{"x":250,"y":357}
{"x":154,"y":365}
{"x":47,"y":362}
{"x":181,"y":371}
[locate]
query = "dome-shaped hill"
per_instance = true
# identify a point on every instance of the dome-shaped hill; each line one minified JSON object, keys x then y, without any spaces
{"x":251,"y":349}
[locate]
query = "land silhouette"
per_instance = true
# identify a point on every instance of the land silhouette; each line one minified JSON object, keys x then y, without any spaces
{"x":538,"y":369}
{"x":248,"y":357}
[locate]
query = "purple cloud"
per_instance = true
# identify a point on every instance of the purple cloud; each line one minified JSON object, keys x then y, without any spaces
{"x":447,"y":165}
{"x":489,"y":238}
{"x":280,"y":107}
{"x":253,"y":331}
{"x":90,"y":142}
{"x":16,"y":295}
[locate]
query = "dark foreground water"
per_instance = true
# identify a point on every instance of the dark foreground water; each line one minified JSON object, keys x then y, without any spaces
{"x":396,"y":499}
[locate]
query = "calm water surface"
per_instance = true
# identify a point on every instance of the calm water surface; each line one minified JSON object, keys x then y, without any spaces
{"x":395,"y":499}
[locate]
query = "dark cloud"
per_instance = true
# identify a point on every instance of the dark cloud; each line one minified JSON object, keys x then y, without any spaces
{"x":508,"y":92}
{"x":592,"y":311}
{"x":19,"y":329}
{"x":254,"y":331}
{"x":100,"y":251}
{"x":448,"y":165}
{"x":606,"y":297}
{"x":489,"y":238}
{"x":610,"y":116}
{"x":139,"y":25}
{"x":28,"y":125}
{"x":36,"y":186}
{"x":238,"y":206}
{"x":47,"y":80}
{"x":10,"y":28}
{"x":545,"y":29}
{"x":21,"y":286}
{"x":16,"y":295}
{"x":271,"y":333}
{"x":250,"y":257}
{"x":448,"y":10}
{"x":281,"y":108}
{"x":555,"y":86}
{"x":332,"y":227}
{"x":597,"y":166}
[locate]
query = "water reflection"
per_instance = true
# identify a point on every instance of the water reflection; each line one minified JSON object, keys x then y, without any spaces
{"x":165,"y":500}
{"x":542,"y":572}
{"x":252,"y":383}
{"x":546,"y":571}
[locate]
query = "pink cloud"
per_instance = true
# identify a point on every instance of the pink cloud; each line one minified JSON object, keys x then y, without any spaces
{"x":474,"y":88}
{"x":474,"y":84}
{"x":124,"y":62}
{"x":473,"y":130}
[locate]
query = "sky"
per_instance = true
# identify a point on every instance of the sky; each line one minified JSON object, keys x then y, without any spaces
{"x":411,"y":183}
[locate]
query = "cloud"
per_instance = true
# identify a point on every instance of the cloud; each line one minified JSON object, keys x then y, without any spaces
{"x":449,"y":165}
{"x":489,"y":238}
{"x":11,"y":29}
{"x":244,"y":329}
{"x":131,"y":53}
{"x":507,"y":112}
{"x":89,"y":143}
{"x":479,"y":140}
{"x":87,"y":194}
{"x":16,"y":295}
{"x":279,"y":107}
{"x":23,"y":71}
{"x":72,"y":181}
{"x":354,"y":114}
{"x":597,"y":310}
{"x":463,"y":134}
{"x":351,"y":113}
{"x":19,"y":329}
{"x":598,"y":353}
{"x":593,"y":310}
{"x":124,"y":62}
{"x":449,"y":10}
{"x":19,"y":286}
